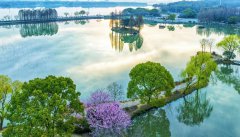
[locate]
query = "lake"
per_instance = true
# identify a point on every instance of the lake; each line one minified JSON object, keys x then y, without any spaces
{"x":94,"y":57}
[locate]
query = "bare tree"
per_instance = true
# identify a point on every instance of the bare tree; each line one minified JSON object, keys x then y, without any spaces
{"x":115,"y":90}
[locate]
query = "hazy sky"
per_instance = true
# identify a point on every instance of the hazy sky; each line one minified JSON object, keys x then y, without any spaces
{"x":147,"y":1}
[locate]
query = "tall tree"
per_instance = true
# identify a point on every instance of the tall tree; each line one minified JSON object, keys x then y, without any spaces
{"x":7,"y":87}
{"x":131,"y":23}
{"x":66,"y":14}
{"x":230,"y":44}
{"x":82,"y":12}
{"x":199,"y":69}
{"x":106,"y":117}
{"x":148,"y":81}
{"x":44,"y":107}
{"x":115,"y":91}
{"x":171,"y":17}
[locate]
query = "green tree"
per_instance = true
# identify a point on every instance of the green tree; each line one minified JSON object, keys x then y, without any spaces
{"x":199,"y":69}
{"x":66,"y":14}
{"x":154,"y":12}
{"x":148,"y":81}
{"x":171,"y":28}
{"x":139,"y":22}
{"x":188,"y":13}
{"x":44,"y":107}
{"x":76,"y":13}
{"x":7,"y":87}
{"x":171,"y":17}
{"x":131,"y":23}
{"x":82,"y":12}
{"x":233,"y":19}
{"x":230,"y":44}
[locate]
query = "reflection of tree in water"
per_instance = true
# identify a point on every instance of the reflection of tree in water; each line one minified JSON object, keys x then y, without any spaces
{"x":189,"y":25}
{"x":171,"y":28}
{"x":125,"y":34}
{"x":152,"y":124}
{"x":194,"y":109}
{"x":28,"y":30}
{"x":82,"y":22}
{"x":217,"y":29}
{"x":229,"y":75}
{"x":118,"y":40}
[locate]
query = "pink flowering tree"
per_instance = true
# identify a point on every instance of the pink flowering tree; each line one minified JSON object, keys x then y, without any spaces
{"x":105,"y":117}
{"x":98,"y":97}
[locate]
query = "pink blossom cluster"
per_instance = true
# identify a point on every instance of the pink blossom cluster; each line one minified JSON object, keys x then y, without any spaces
{"x":107,"y":115}
{"x":104,"y":114}
{"x":98,"y":97}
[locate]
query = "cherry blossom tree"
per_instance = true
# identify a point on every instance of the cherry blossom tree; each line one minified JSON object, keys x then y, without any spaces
{"x":98,"y":97}
{"x":106,"y":118}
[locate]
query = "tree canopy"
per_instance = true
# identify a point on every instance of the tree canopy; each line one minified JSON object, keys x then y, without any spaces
{"x":7,"y":87}
{"x":230,"y":44}
{"x":38,"y":14}
{"x":148,"y":81}
{"x":199,"y":68}
{"x":141,"y":11}
{"x":106,"y":117}
{"x":188,"y":13}
{"x":44,"y":107}
{"x":171,"y":17}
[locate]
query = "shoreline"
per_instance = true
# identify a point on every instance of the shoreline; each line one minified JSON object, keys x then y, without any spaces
{"x":136,"y":108}
{"x":107,"y":17}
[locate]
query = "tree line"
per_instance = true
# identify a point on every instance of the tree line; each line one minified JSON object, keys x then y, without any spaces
{"x":37,"y":14}
{"x":205,"y":11}
{"x":141,"y":11}
{"x":220,"y":14}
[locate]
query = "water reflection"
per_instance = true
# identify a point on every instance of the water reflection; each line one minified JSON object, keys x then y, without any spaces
{"x":194,"y":109}
{"x":218,"y":29}
{"x":82,"y":22}
{"x":152,"y":124}
{"x":229,"y":75}
{"x":171,"y":28}
{"x":40,"y":29}
{"x":188,"y":25}
{"x":126,"y":32}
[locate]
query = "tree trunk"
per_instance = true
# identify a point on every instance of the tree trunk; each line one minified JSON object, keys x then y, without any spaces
{"x":1,"y":124}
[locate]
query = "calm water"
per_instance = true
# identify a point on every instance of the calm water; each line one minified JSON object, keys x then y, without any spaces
{"x":94,"y":56}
